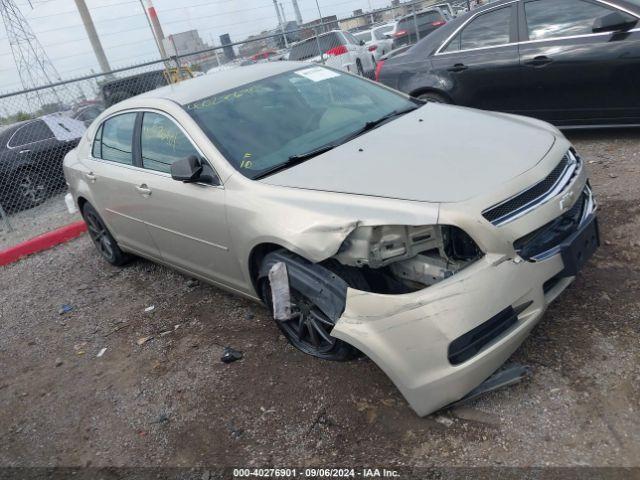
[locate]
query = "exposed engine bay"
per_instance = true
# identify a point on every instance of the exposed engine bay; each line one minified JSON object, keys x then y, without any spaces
{"x":402,"y":259}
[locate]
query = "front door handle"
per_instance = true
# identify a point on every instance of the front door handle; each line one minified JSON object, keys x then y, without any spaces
{"x":458,"y":67}
{"x":90,"y":176}
{"x":22,"y":152}
{"x":143,"y":190}
{"x":539,"y":61}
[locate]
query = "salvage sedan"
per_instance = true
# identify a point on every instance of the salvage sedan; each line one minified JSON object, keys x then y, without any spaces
{"x":311,"y":190}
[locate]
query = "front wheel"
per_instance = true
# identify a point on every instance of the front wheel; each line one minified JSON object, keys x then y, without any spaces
{"x":309,"y":329}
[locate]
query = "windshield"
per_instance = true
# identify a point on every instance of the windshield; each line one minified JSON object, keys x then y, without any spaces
{"x":309,"y":48}
{"x":263,"y":124}
{"x":421,"y":19}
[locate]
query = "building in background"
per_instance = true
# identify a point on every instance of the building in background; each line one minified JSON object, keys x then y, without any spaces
{"x":227,"y":48}
{"x":184,"y":44}
{"x":275,"y":41}
{"x":321,"y":25}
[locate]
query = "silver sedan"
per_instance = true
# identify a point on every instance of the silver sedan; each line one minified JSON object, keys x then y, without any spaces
{"x":430,"y":238}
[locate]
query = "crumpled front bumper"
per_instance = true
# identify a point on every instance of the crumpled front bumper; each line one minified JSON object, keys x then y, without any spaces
{"x":408,"y":336}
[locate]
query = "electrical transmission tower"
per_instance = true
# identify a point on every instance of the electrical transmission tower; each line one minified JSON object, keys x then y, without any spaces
{"x":33,"y":65}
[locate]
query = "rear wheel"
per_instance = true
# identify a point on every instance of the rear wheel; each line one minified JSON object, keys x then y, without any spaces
{"x":30,"y":190}
{"x":102,"y":239}
{"x":359,"y":68}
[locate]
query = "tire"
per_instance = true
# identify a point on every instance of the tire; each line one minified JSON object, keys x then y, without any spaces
{"x":309,"y":322}
{"x":433,"y":97}
{"x":359,"y":68}
{"x":102,"y":238}
{"x":30,"y":190}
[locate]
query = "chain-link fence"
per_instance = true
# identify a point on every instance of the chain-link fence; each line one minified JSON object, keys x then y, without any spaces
{"x":38,"y":127}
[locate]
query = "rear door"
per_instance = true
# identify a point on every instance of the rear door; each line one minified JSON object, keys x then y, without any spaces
{"x":480,"y":60}
{"x":571,"y":75}
{"x":115,"y":182}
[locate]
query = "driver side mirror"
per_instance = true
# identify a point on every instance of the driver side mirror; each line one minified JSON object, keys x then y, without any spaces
{"x":187,"y":169}
{"x":361,"y":43}
{"x":614,"y":22}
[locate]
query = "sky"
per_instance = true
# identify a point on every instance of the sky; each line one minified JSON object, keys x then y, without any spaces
{"x":125,"y":35}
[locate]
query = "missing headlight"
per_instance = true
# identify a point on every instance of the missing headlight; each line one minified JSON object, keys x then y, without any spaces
{"x":402,"y":259}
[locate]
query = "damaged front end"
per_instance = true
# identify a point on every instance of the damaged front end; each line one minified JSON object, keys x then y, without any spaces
{"x":403,"y":259}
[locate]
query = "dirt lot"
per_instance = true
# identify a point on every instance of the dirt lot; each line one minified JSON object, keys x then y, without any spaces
{"x":172,"y":402}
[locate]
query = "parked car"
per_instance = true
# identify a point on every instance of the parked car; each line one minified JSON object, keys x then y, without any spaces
{"x":88,"y":113}
{"x":413,"y":27}
{"x":377,"y":40}
{"x":573,"y":63}
{"x":282,"y":182}
{"x":114,"y":91}
{"x":31,"y":155}
{"x":336,"y":49}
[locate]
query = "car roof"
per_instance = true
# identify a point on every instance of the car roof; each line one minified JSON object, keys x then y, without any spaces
{"x":425,"y":10}
{"x":197,"y":88}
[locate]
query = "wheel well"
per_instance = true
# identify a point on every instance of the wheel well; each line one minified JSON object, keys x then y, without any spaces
{"x":255,"y":260}
{"x":81,"y":203}
{"x":421,"y":91}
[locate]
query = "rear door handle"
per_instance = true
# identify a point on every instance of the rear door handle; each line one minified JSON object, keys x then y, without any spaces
{"x":90,"y":176}
{"x":458,"y":67}
{"x":22,"y":152}
{"x":539,"y":61}
{"x":143,"y":190}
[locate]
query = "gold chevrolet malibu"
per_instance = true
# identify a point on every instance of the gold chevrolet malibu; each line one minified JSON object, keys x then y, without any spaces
{"x":429,"y":237}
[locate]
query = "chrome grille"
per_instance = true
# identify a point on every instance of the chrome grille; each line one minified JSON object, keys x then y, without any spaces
{"x":552,"y":185}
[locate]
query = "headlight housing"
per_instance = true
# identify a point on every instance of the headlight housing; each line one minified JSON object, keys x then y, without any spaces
{"x":379,"y":246}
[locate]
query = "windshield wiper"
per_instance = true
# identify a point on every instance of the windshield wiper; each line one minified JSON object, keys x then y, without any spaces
{"x":295,"y":160}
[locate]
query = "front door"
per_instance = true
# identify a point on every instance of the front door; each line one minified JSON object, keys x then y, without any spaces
{"x":481,"y":61}
{"x":571,"y":75}
{"x":187,"y":221}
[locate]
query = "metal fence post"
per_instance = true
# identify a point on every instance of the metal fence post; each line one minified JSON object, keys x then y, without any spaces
{"x":5,"y":220}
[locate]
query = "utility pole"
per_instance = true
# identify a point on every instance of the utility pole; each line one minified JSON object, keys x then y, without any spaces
{"x":320,"y":13}
{"x":275,"y":4}
{"x":93,"y":35}
{"x":296,"y":9}
{"x":156,"y":28}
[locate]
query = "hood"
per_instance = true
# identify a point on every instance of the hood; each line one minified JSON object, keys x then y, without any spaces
{"x":438,"y":153}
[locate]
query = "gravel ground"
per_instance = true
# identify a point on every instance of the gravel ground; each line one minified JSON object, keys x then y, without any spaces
{"x":30,"y":223}
{"x":171,"y":402}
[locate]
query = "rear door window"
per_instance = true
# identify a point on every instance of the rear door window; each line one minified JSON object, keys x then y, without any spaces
{"x":490,"y":29}
{"x":32,"y":132}
{"x":116,"y":136}
{"x":309,"y":48}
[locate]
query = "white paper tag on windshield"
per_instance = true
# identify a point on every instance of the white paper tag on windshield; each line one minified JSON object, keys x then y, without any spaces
{"x":317,"y":74}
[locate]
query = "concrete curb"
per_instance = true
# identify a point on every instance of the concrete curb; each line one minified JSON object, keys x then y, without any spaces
{"x":42,"y":242}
